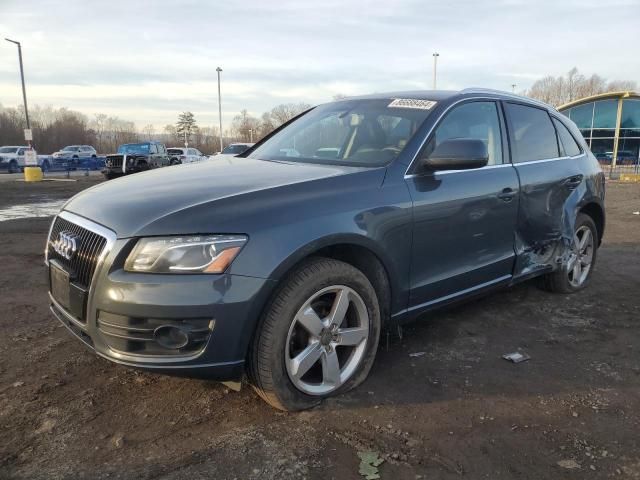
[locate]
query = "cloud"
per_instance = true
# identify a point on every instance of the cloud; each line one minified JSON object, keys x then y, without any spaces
{"x":149,"y":60}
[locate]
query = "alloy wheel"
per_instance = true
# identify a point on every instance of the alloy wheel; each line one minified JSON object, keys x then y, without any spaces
{"x":327,"y":340}
{"x":581,"y":258}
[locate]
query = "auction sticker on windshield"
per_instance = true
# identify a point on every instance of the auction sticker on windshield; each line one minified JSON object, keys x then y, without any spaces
{"x":412,"y":103}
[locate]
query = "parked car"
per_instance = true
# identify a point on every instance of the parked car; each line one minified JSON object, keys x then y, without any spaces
{"x":135,"y":157}
{"x":74,"y":156}
{"x":12,"y":158}
{"x":178,"y":155}
{"x":361,"y":214}
{"x":232,"y":150}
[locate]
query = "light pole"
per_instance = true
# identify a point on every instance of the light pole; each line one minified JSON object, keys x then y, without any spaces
{"x":24,"y":90}
{"x":218,"y":69}
{"x":251,"y":135}
{"x":435,"y":68}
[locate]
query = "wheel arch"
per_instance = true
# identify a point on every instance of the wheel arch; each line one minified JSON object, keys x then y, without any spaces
{"x":596,"y":212}
{"x":356,"y":250}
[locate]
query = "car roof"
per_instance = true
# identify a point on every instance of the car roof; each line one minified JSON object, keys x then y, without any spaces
{"x":442,"y":95}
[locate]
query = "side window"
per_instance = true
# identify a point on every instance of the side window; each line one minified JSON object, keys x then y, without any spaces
{"x":568,"y":146}
{"x":532,"y":134}
{"x":475,"y":120}
{"x":162,"y":150}
{"x":152,"y":148}
{"x":192,"y":151}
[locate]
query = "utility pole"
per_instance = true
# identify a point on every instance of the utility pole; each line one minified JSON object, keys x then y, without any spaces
{"x":24,"y":90}
{"x":218,"y":69}
{"x":251,"y":135}
{"x":435,"y":68}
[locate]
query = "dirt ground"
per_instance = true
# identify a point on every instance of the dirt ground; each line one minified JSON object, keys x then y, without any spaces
{"x":457,"y":411}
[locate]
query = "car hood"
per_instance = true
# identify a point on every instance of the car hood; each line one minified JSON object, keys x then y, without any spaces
{"x":131,"y":205}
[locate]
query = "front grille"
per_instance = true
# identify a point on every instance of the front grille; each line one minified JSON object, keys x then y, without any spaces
{"x":82,"y":264}
{"x":114,"y":162}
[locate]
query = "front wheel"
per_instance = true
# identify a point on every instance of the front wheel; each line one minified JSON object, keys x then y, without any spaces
{"x":575,"y":272}
{"x":318,"y":337}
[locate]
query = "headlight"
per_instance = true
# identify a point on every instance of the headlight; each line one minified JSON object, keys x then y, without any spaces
{"x":189,"y":254}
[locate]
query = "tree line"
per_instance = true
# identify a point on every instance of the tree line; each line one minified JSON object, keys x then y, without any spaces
{"x":574,"y":85}
{"x":54,"y":128}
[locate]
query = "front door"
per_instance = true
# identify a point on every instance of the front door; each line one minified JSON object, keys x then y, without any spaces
{"x":464,"y":220}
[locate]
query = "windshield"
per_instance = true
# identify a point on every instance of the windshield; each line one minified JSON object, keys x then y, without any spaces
{"x":235,"y":149}
{"x":134,"y":148}
{"x":70,"y":149}
{"x":174,"y":151}
{"x":367,"y":133}
{"x":8,"y":149}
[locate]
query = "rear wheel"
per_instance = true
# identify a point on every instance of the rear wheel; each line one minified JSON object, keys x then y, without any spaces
{"x":13,"y":167}
{"x":576,"y":271}
{"x":318,"y":337}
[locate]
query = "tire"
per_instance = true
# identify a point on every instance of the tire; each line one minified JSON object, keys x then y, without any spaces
{"x":13,"y":167}
{"x":280,"y":337}
{"x":174,"y":161}
{"x":564,"y":280}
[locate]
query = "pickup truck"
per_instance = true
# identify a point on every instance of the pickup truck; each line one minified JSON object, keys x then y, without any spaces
{"x":135,"y":157}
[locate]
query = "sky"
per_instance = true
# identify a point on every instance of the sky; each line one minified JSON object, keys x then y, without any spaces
{"x":147,"y":61}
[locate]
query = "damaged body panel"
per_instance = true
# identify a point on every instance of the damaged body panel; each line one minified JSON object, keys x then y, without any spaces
{"x":510,"y":220}
{"x":552,"y":193}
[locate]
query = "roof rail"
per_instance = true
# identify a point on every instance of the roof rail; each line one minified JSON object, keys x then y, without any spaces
{"x":506,"y":94}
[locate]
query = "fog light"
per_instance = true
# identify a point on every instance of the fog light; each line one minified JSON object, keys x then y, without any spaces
{"x":169,"y":336}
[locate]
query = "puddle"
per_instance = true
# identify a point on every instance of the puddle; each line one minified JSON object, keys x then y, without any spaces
{"x":31,"y":210}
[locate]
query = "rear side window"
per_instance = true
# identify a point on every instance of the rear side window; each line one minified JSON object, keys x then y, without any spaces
{"x":568,"y":146}
{"x":532,"y":134}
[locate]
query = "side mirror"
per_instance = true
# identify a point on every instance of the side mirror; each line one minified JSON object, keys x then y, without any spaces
{"x":458,"y":154}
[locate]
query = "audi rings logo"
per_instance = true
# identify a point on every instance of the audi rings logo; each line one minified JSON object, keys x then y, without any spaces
{"x":66,"y":245}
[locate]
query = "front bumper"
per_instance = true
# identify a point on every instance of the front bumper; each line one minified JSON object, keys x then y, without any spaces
{"x":232,"y":302}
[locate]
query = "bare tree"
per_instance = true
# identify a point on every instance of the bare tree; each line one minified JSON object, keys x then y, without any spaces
{"x":559,"y":90}
{"x":244,"y":125}
{"x":148,"y":131}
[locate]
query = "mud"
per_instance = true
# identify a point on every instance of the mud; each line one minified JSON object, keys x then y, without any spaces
{"x":457,"y":411}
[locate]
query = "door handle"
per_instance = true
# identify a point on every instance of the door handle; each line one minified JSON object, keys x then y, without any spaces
{"x":507,"y":194}
{"x":573,"y":182}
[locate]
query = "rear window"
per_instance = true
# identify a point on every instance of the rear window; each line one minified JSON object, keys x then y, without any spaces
{"x":568,"y":145}
{"x":174,"y":151}
{"x":533,"y":136}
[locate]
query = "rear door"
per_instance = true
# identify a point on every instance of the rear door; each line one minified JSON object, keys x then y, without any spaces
{"x":464,"y":220}
{"x":551,"y":185}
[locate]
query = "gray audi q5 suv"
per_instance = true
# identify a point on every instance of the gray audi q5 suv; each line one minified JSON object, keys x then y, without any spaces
{"x":285,"y":264}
